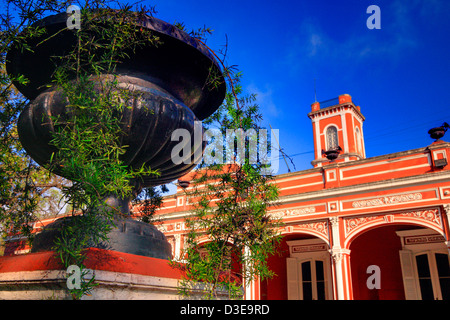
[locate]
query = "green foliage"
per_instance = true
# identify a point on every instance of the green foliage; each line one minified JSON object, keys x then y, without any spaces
{"x":148,"y":201}
{"x":26,"y":190}
{"x":231,"y":233}
{"x":88,"y":139}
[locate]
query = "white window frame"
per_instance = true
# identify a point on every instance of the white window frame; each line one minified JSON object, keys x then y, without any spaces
{"x":408,"y":262}
{"x":437,"y":293}
{"x":294,"y":272}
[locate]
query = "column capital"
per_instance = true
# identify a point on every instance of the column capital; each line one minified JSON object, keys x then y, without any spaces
{"x":334,"y":221}
{"x":446,"y":207}
{"x":338,"y":253}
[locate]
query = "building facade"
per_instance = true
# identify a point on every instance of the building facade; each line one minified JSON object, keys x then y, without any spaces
{"x":354,"y":227}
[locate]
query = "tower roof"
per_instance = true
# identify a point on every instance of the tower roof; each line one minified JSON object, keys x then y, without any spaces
{"x":327,"y":106}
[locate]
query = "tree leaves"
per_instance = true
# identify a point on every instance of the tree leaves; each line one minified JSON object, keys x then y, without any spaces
{"x":88,"y":138}
{"x":231,"y":233}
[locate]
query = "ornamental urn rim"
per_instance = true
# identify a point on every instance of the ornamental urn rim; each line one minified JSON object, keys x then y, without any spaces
{"x":180,"y":65}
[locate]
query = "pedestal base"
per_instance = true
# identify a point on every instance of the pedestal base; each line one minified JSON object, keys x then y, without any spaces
{"x":119,"y":276}
{"x":129,"y":236}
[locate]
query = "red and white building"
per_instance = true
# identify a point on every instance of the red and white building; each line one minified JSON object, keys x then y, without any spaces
{"x":354,"y":227}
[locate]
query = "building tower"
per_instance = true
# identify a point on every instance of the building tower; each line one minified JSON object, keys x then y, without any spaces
{"x":337,"y":125}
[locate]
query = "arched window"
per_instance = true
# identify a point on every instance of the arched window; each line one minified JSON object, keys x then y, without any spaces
{"x":332,"y":137}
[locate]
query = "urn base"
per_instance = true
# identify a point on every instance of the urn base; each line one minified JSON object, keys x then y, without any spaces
{"x":128,"y":236}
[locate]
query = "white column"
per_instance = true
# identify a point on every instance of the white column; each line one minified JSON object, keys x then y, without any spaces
{"x":177,"y":250}
{"x":251,"y":288}
{"x":340,"y":271}
{"x":337,"y":253}
{"x":447,"y":213}
{"x":248,"y":286}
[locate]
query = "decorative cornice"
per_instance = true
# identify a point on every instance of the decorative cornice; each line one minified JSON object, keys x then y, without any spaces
{"x":343,"y":106}
{"x":365,"y":187}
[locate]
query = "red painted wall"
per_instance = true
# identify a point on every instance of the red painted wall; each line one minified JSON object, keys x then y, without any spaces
{"x":379,"y":246}
{"x":275,"y":288}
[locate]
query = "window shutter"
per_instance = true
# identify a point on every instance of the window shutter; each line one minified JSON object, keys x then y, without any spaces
{"x":292,"y":279}
{"x":409,"y":277}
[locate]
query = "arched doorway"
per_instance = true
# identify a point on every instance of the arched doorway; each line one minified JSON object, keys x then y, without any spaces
{"x":407,"y":262}
{"x":303,"y":270}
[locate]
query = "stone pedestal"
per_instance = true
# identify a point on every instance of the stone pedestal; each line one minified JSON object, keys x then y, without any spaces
{"x":120,"y":276}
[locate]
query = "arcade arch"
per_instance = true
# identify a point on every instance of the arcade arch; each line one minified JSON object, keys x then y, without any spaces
{"x":412,"y":258}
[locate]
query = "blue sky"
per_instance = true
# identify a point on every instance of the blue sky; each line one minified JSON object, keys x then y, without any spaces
{"x":399,"y":74}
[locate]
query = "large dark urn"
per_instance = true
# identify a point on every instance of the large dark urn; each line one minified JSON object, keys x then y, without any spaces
{"x":332,"y":154}
{"x":171,"y":85}
{"x":438,"y":132}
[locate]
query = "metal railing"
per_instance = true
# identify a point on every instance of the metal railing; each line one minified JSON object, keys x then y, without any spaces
{"x":329,"y":103}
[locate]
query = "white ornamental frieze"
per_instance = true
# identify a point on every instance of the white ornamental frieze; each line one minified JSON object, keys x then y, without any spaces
{"x":319,"y":226}
{"x":353,"y":223}
{"x":294,"y":212}
{"x":387,"y":200}
{"x":431,"y":215}
{"x":428,"y":215}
